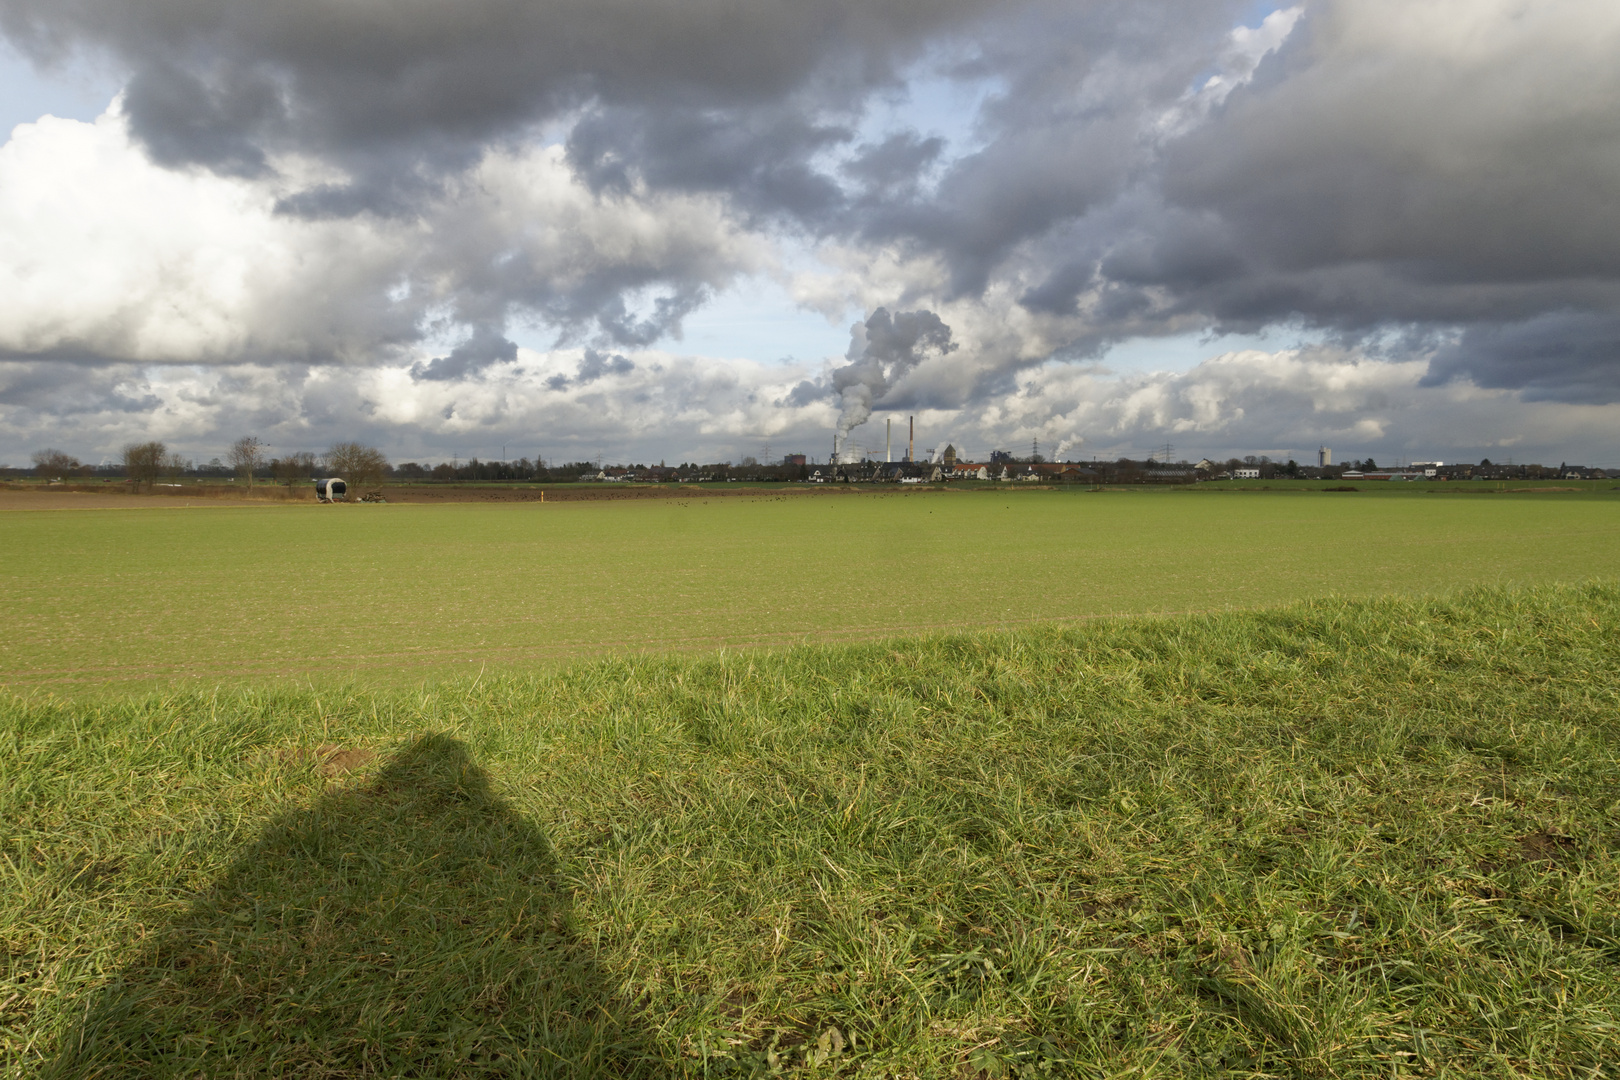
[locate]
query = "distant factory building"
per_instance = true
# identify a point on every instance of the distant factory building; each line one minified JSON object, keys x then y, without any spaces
{"x":793,"y":459}
{"x":1324,"y":458}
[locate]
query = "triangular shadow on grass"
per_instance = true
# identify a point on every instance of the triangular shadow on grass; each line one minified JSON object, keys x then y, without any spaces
{"x":412,"y":926}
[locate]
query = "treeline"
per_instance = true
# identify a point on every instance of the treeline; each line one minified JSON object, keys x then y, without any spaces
{"x":248,"y":460}
{"x":524,"y":470}
{"x":475,"y":470}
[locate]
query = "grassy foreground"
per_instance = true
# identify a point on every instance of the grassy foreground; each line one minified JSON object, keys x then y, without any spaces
{"x":1337,"y":839}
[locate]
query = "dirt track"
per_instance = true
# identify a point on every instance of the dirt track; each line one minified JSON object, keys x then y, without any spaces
{"x":432,"y":493}
{"x":82,"y":497}
{"x":120,"y":497}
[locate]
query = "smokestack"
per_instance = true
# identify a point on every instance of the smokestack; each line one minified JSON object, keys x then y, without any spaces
{"x":888,"y":439}
{"x":911,"y":439}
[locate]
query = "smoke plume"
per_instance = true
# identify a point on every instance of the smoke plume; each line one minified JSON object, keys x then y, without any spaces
{"x":881,"y":350}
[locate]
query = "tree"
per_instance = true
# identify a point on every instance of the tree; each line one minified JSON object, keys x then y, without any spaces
{"x":144,"y":462}
{"x":247,"y":456}
{"x":356,"y":463}
{"x":51,"y":462}
{"x":291,"y":468}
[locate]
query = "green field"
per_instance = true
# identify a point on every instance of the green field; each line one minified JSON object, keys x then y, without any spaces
{"x":1339,"y":839}
{"x":119,"y":598}
{"x":967,"y":785}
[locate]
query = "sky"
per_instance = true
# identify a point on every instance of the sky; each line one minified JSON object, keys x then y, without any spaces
{"x":635,"y":231}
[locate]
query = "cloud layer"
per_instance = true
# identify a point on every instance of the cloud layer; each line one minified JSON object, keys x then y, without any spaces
{"x":582,"y":404}
{"x":441,"y":204}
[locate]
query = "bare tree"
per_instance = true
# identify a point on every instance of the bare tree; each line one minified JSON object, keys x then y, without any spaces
{"x":291,"y":468}
{"x":51,"y":462}
{"x":144,"y":462}
{"x":247,"y":455}
{"x":356,"y":463}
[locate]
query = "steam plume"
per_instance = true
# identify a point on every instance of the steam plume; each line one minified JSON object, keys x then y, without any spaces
{"x":881,"y":350}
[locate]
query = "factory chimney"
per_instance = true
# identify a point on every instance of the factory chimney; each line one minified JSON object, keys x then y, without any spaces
{"x":911,"y":439}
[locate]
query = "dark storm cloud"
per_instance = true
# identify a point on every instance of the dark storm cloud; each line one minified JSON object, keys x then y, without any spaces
{"x":594,"y":365}
{"x":346,"y":79}
{"x":1561,"y":356}
{"x":1065,"y":136}
{"x":806,"y":392}
{"x":625,"y":328}
{"x":896,"y":162}
{"x":485,"y":348}
{"x":1418,"y":162}
{"x":61,"y":390}
{"x":184,"y":121}
{"x":759,"y":157}
{"x":1381,"y":170}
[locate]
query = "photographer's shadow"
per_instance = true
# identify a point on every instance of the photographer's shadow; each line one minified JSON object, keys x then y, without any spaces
{"x":413,"y":926}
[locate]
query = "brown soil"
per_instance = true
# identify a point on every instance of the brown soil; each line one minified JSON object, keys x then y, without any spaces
{"x":123,"y":497}
{"x":598,"y":492}
{"x":329,"y":758}
{"x":1544,"y":847}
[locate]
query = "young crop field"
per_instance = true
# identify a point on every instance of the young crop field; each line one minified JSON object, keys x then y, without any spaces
{"x":151,"y":596}
{"x":1339,"y":838}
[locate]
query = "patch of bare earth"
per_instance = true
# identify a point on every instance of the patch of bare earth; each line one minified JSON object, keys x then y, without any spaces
{"x":1544,"y":847}
{"x":121,"y":497}
{"x":329,"y":758}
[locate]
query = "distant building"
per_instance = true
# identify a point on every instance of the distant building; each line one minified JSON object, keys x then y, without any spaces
{"x":1245,"y":474}
{"x":793,"y":459}
{"x":1324,"y":458}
